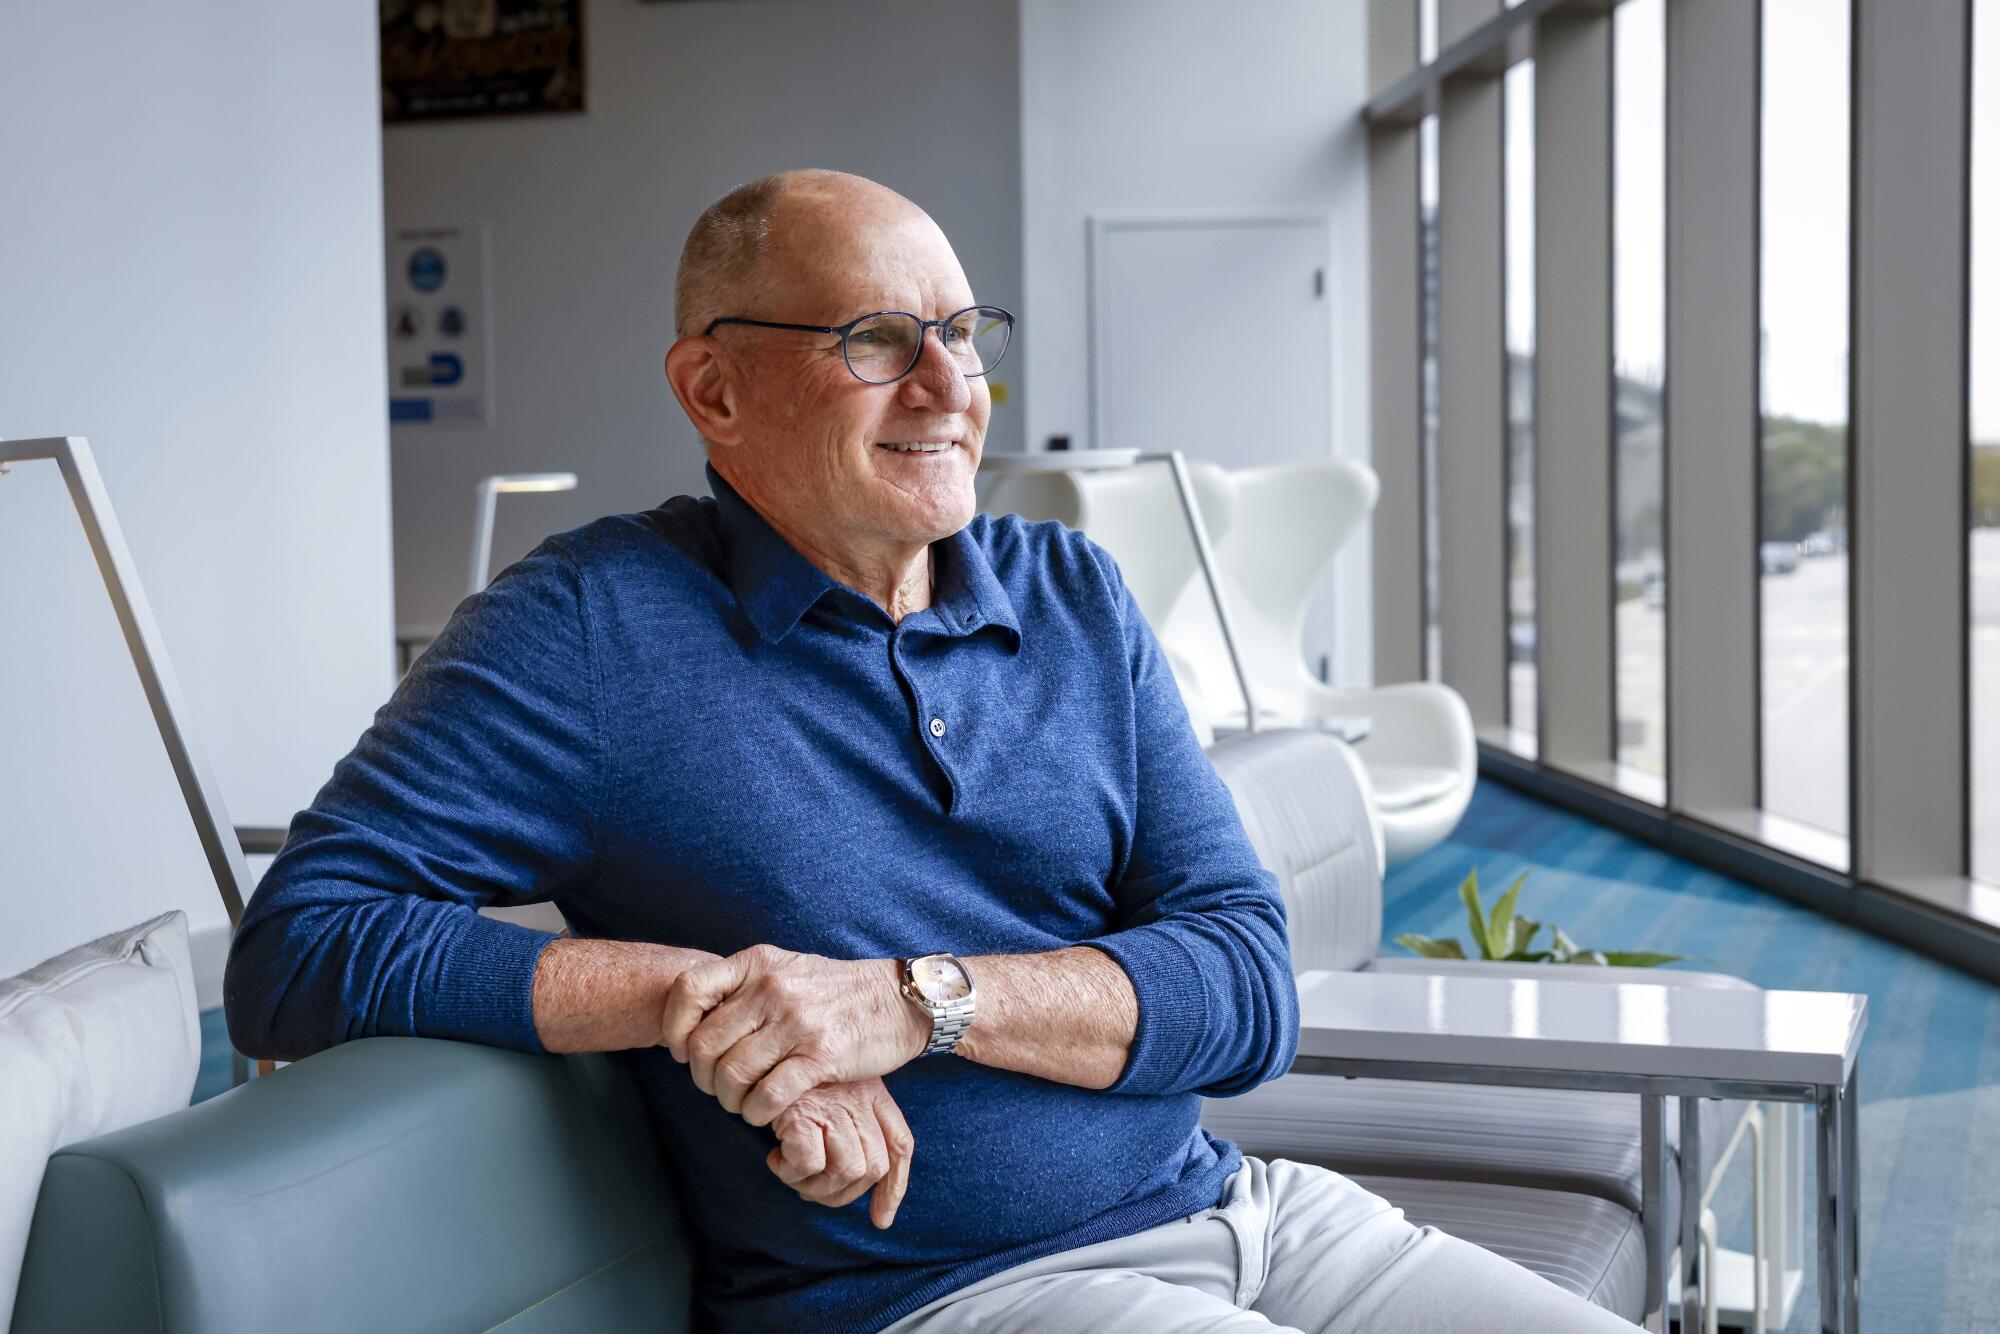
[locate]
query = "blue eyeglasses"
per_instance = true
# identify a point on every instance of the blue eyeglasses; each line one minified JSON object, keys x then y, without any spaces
{"x":883,"y":347}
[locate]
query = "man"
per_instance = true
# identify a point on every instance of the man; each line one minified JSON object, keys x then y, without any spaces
{"x":870,"y":817}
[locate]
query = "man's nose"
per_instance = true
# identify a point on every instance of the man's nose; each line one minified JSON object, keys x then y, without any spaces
{"x":937,"y":381}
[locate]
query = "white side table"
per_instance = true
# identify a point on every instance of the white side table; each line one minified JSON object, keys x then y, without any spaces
{"x":1645,"y":1038}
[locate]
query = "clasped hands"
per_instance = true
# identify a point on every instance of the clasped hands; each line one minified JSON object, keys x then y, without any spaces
{"x":800,"y":1043}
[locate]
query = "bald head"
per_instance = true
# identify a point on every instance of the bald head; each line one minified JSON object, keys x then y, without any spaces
{"x":750,"y":243}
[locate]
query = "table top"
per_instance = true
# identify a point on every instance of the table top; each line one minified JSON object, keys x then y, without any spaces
{"x":1584,"y":1026}
{"x":1056,"y":460}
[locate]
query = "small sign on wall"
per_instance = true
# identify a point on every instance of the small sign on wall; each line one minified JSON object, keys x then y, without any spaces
{"x":440,"y":343}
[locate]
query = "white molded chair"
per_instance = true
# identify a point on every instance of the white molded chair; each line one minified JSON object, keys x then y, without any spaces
{"x":1286,"y":522}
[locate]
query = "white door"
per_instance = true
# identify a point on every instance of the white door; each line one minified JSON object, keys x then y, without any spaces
{"x":1212,"y":337}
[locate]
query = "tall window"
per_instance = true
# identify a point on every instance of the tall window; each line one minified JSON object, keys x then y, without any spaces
{"x":1427,"y":177}
{"x":1985,"y":432}
{"x":1639,"y":337}
{"x":1519,"y":118}
{"x":1802,"y":546}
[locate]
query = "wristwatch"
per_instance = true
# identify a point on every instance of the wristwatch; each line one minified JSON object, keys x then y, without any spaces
{"x":940,"y":986}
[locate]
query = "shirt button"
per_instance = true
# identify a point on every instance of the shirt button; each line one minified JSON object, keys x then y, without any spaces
{"x":937,"y":727}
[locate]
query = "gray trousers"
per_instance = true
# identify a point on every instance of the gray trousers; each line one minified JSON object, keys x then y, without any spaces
{"x":1291,"y":1247}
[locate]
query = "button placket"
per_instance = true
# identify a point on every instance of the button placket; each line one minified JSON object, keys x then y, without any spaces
{"x":928,"y":722}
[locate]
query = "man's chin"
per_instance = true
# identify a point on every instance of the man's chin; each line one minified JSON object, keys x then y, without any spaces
{"x":938,"y":504}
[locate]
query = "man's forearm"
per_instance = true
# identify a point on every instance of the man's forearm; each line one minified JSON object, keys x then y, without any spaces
{"x":605,"y":995}
{"x":1066,"y":1015}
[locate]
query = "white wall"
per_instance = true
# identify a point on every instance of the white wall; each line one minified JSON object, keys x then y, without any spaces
{"x":190,"y":276}
{"x":1130,"y":106}
{"x":587,"y":214}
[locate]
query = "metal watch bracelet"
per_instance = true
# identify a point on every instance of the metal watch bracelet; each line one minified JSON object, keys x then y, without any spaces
{"x":948,"y":1025}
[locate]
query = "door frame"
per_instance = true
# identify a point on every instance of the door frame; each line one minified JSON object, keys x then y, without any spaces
{"x":1098,"y":230}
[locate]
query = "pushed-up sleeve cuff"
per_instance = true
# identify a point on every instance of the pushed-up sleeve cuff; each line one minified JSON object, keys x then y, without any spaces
{"x":483,"y":987}
{"x":1175,"y":1019}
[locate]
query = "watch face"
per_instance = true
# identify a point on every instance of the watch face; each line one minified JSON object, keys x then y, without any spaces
{"x":940,"y":978}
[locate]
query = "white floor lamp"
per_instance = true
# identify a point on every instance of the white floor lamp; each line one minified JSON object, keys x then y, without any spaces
{"x":219,"y":840}
{"x":489,"y":493}
{"x":149,"y":655}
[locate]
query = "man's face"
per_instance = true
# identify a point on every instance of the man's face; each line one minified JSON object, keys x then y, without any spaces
{"x":819,"y":448}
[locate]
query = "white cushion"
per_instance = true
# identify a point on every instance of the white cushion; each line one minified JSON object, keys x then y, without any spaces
{"x":91,"y":1041}
{"x":1398,"y":787}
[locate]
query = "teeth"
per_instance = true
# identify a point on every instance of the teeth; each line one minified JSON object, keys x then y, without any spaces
{"x":917,"y":446}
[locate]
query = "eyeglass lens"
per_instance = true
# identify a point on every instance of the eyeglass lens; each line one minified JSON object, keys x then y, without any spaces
{"x":885,"y":347}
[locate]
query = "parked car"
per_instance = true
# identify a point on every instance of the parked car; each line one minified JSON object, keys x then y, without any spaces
{"x":1778,"y":557}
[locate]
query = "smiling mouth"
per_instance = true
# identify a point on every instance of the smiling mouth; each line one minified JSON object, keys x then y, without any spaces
{"x":915,"y":446}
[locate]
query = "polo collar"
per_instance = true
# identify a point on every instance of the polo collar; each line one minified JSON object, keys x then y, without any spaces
{"x":776,"y":586}
{"x":966,"y":594}
{"x":773,"y":583}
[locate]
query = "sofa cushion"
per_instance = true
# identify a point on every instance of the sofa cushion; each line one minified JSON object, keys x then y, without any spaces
{"x":96,"y":1039}
{"x":1588,"y":1246}
{"x":1558,"y":1139}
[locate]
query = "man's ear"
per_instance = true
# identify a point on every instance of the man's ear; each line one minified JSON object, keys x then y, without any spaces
{"x":701,"y":383}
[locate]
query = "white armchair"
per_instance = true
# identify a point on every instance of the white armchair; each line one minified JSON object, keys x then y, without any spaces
{"x":1285,"y":523}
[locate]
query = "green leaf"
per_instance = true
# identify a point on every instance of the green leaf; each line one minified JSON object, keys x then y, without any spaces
{"x":1468,"y":891}
{"x":1588,"y":956}
{"x":1528,"y":956}
{"x":1430,"y":949}
{"x":1523,"y":935}
{"x":1639,"y":958}
{"x":1500,"y":927}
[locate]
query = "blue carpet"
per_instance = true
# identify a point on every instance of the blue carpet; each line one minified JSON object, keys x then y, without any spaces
{"x":1930,"y":1071}
{"x":1930,"y":1067}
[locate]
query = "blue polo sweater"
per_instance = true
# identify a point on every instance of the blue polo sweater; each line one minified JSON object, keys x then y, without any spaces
{"x":679,"y":730}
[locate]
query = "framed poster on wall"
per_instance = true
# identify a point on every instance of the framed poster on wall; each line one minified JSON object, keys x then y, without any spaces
{"x":455,"y":59}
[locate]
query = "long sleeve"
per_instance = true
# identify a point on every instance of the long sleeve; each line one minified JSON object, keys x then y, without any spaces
{"x":478,"y":783}
{"x":1203,"y":939}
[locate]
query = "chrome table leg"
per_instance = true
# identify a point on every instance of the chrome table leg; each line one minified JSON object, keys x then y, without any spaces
{"x":1693,"y":1278}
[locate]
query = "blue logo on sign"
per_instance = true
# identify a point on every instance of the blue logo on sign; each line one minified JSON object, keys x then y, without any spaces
{"x":446,"y":368}
{"x":427,"y":269}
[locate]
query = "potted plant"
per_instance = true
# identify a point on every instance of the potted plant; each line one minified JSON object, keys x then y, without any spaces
{"x":1502,"y":934}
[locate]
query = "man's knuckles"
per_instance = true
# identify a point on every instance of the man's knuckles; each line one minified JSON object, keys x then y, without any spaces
{"x":706,"y":1045}
{"x":764,"y":957}
{"x":736,"y":1073}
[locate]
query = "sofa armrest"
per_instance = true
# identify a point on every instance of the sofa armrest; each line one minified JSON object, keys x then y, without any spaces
{"x":390,"y":1183}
